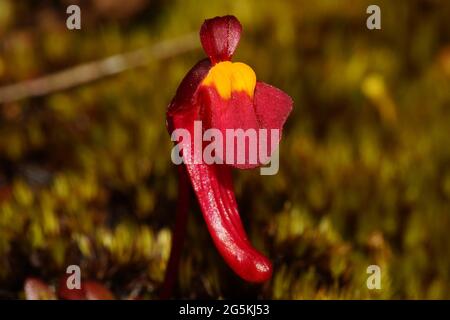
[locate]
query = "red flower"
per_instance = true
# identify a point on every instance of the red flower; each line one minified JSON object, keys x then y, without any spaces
{"x":225,"y":95}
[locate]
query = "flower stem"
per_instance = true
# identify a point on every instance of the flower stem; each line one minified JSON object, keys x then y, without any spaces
{"x":178,"y":235}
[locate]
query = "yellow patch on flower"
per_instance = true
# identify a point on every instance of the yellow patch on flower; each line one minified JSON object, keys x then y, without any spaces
{"x":227,"y":76}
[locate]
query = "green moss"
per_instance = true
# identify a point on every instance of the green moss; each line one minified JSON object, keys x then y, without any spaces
{"x":86,"y":177}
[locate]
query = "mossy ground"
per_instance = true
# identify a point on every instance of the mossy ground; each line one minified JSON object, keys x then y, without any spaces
{"x":86,"y":176}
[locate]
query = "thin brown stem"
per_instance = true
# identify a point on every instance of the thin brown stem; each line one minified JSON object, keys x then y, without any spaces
{"x":179,"y":233}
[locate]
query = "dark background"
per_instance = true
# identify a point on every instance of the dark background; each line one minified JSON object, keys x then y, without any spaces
{"x":86,"y":176}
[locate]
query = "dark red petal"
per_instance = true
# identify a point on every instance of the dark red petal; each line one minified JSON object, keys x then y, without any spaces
{"x":220,"y":37}
{"x":36,"y":289}
{"x":213,"y":187}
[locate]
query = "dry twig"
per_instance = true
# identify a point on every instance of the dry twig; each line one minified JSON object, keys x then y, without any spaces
{"x":95,"y":70}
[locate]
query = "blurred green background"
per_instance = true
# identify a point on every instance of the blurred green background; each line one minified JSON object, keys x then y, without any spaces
{"x":86,"y":176}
